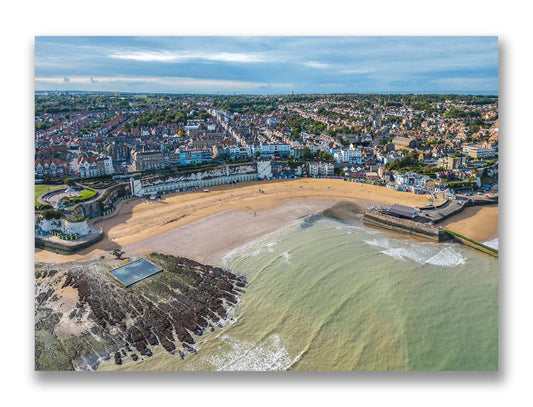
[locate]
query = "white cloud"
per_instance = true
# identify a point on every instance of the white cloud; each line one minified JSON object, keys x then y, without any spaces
{"x":318,"y":65}
{"x":358,"y":70}
{"x":186,"y":56}
{"x":157,"y":83}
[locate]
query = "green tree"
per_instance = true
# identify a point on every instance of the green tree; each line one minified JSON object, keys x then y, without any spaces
{"x":307,"y":154}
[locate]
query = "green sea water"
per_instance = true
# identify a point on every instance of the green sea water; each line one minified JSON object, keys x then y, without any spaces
{"x":325,"y":295}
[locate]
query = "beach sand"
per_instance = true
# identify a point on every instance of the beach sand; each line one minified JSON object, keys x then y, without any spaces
{"x":479,"y":223}
{"x":200,"y":225}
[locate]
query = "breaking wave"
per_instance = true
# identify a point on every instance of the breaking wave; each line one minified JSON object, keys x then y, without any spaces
{"x":267,"y":355}
{"x":422,"y":253}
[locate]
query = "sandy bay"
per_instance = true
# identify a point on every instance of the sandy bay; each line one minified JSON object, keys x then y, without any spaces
{"x":200,"y":225}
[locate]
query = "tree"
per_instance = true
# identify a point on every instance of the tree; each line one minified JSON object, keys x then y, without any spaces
{"x":257,"y":154}
{"x":307,"y":154}
{"x":69,"y":181}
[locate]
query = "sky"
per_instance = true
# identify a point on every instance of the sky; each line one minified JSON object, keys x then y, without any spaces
{"x":268,"y":65}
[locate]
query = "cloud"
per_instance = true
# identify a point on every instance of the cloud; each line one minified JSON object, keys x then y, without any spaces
{"x":249,"y":63}
{"x":319,"y":65}
{"x":187,"y":56}
{"x":358,"y":70}
{"x":171,"y":84}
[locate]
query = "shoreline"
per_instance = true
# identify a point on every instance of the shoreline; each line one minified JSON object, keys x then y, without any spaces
{"x":201,"y":225}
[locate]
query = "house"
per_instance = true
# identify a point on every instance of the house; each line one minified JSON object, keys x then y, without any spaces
{"x":478,"y":152}
{"x":401,"y":143}
{"x":320,"y":169}
{"x":88,"y":167}
{"x":348,"y":156}
{"x":410,"y":179}
{"x":53,"y":168}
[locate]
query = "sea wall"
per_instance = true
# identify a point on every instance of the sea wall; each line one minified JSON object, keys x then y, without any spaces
{"x":404,"y":226}
{"x":69,"y":246}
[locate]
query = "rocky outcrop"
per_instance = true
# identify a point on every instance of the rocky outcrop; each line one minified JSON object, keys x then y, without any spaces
{"x":170,"y":309}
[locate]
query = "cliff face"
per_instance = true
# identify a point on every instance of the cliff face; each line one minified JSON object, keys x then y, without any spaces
{"x":83,"y":315}
{"x":64,"y":226}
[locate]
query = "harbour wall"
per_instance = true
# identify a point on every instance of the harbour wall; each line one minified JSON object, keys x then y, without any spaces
{"x":405,"y":226}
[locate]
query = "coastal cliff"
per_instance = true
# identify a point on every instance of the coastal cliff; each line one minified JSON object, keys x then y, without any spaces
{"x":83,"y":315}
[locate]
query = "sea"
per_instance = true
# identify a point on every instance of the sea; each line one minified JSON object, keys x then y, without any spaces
{"x":326,"y":295}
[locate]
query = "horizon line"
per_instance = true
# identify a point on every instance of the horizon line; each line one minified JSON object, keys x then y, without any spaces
{"x":192,"y":93}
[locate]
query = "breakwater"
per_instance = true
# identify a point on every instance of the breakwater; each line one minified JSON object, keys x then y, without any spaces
{"x":405,"y":226}
{"x":472,"y":243}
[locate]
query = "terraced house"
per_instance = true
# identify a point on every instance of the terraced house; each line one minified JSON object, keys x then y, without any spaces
{"x":53,"y":168}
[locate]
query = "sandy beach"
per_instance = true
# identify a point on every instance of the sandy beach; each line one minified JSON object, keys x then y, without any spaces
{"x":200,"y":225}
{"x":479,"y":223}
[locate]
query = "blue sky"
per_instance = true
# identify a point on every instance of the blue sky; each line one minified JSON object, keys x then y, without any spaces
{"x":268,"y":65}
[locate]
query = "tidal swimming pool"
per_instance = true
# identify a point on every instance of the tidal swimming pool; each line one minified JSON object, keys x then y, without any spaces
{"x":134,"y":272}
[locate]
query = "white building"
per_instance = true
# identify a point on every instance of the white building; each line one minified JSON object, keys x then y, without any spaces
{"x":321,"y":168}
{"x":271,"y":150}
{"x":410,"y":179}
{"x":348,"y":156}
{"x":108,"y":166}
{"x":87,"y":167}
{"x":479,"y":152}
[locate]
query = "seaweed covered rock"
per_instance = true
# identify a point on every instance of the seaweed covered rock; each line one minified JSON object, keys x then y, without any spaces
{"x":107,"y":320}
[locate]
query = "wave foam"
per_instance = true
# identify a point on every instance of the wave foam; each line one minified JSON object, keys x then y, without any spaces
{"x":421,"y":253}
{"x":494,"y":243}
{"x":246,"y":356}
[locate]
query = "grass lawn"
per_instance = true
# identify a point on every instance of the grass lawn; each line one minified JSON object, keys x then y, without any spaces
{"x":43,"y":189}
{"x":85,"y":194}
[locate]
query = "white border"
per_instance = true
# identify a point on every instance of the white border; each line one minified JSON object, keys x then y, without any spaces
{"x":509,"y":20}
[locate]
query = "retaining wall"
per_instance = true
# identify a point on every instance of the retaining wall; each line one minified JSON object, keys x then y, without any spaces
{"x":67,"y":247}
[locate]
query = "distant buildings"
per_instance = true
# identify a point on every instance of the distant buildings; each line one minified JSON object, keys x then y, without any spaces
{"x":140,"y":137}
{"x":450,"y":162}
{"x":401,"y":143}
{"x":479,"y":152}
